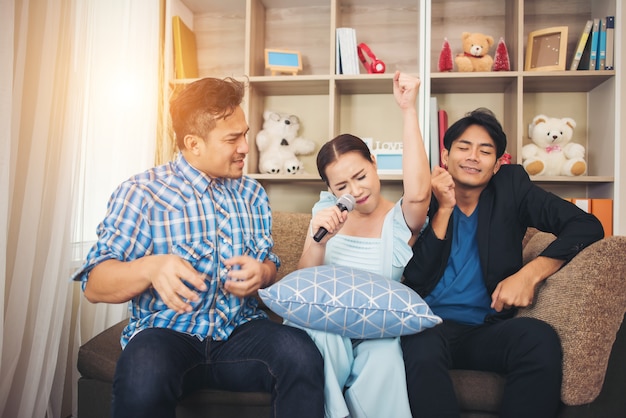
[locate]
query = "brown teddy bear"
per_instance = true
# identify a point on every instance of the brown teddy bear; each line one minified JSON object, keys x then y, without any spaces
{"x":475,"y":55}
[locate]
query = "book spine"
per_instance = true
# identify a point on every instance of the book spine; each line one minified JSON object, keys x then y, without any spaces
{"x":353,"y":53}
{"x":433,"y":145}
{"x":601,"y":46}
{"x":610,"y":43}
{"x":185,"y":52}
{"x":603,"y":210}
{"x":582,"y":42}
{"x":443,"y":127}
{"x":341,"y":45}
{"x":337,"y":53}
{"x":595,"y":36}
{"x":600,"y":208}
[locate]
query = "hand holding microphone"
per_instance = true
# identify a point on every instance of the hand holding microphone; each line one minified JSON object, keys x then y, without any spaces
{"x":345,"y":202}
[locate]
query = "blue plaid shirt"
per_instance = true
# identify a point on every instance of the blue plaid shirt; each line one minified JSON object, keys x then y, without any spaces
{"x":175,"y":209}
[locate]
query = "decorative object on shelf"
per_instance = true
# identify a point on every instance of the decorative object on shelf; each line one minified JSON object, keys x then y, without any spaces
{"x":375,"y":66}
{"x":445,"y":63}
{"x":552,"y":153}
{"x":279,"y":144}
{"x":501,"y":61}
{"x":283,"y":61}
{"x":475,"y":56}
{"x":388,"y":157}
{"x":546,"y":49}
{"x":506,"y":158}
{"x":185,"y":52}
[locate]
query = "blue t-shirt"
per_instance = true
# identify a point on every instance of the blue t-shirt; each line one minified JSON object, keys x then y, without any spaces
{"x":461,"y":294}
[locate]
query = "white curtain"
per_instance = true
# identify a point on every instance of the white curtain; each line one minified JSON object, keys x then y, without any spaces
{"x":78,"y":114}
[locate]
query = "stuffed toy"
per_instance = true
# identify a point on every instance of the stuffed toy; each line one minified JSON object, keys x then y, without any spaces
{"x":279,"y":144}
{"x":475,"y":55}
{"x":552,"y":153}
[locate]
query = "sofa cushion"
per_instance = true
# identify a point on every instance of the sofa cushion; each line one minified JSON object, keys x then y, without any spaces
{"x":350,"y":302}
{"x":98,"y":356}
{"x":478,"y":390}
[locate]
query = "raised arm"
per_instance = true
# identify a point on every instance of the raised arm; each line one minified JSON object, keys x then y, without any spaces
{"x":415,"y":165}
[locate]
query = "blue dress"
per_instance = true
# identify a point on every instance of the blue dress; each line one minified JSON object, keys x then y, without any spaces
{"x":365,"y":378}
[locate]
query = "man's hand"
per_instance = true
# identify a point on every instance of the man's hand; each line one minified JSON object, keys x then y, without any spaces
{"x":247,"y":275}
{"x":114,"y":281}
{"x":443,"y":187}
{"x":166,"y":274}
{"x":518,"y":290}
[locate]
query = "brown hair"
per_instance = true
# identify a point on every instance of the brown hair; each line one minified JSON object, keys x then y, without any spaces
{"x":338,"y":146}
{"x":195,"y":110}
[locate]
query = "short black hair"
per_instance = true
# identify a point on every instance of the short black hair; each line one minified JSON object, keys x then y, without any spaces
{"x":481,"y":117}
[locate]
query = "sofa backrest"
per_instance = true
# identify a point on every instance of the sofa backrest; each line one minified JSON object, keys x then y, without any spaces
{"x":289,"y":230}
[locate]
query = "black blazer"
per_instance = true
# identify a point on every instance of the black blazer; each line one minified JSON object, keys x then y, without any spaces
{"x":510,"y":204}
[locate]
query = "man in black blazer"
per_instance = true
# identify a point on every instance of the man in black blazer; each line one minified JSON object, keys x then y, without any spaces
{"x":467,"y":264}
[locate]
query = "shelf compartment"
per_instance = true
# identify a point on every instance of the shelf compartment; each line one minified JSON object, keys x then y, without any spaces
{"x":565,"y":81}
{"x":364,"y":84}
{"x":480,"y":82}
{"x":291,"y":85}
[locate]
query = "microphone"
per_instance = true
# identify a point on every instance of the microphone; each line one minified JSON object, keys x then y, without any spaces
{"x":345,"y":202}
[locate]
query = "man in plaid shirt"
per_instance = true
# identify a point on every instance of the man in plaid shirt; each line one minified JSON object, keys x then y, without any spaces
{"x":189,"y":243}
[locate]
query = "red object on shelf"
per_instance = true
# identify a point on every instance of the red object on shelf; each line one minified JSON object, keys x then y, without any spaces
{"x":501,"y":61}
{"x":445,"y":57}
{"x":506,"y":158}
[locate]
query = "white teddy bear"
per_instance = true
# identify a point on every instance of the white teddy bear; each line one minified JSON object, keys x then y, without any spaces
{"x":279,"y":144}
{"x":552,"y":153}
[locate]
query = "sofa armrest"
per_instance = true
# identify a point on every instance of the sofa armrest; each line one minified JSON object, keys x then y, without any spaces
{"x":585,"y":302}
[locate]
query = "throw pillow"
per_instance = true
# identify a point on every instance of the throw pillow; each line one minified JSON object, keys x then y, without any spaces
{"x":348,"y":301}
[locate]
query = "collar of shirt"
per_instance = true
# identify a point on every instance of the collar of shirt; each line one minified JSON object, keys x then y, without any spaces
{"x":198,"y":180}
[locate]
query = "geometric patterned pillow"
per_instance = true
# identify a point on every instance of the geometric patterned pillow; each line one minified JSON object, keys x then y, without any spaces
{"x":348,"y":301}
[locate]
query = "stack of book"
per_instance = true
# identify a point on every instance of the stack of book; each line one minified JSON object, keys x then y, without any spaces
{"x":595,"y":49}
{"x":347,"y":59}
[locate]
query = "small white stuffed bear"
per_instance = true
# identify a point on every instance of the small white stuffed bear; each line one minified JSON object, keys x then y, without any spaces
{"x":552,"y":153}
{"x":279,"y":144}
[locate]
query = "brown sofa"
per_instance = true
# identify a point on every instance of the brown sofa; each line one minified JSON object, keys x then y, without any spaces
{"x":585,"y":301}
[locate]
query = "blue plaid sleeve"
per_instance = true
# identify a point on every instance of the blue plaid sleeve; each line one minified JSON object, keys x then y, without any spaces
{"x":124,"y":234}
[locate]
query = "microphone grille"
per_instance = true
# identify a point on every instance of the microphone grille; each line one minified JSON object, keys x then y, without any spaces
{"x":348,"y":201}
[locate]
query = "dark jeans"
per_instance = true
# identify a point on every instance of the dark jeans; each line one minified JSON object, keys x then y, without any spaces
{"x":525,"y":350}
{"x":159,"y":366}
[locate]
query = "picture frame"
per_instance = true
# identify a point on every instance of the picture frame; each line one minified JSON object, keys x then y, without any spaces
{"x":388,"y":161}
{"x":283,"y":61}
{"x":546,"y":49}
